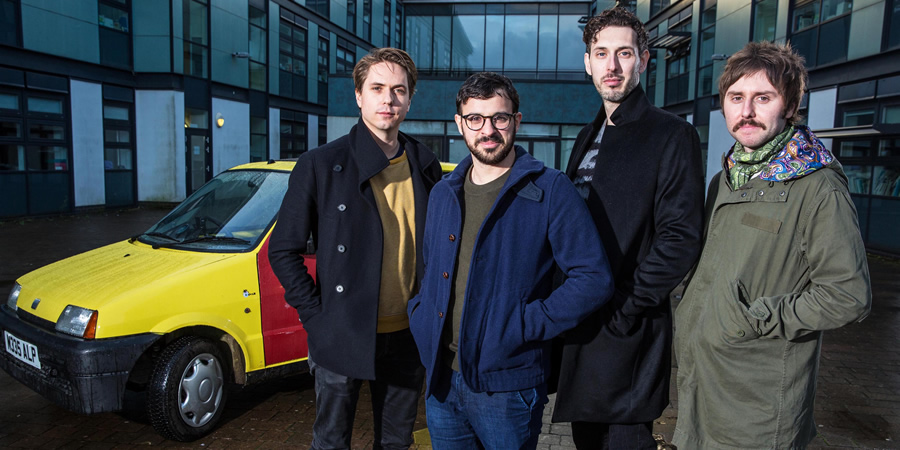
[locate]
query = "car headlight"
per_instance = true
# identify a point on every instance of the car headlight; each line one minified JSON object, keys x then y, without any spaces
{"x":78,"y":322}
{"x":13,"y":297}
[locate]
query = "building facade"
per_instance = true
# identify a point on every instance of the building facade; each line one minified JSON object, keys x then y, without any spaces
{"x":108,"y":103}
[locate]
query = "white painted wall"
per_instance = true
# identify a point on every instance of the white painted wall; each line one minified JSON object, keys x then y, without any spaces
{"x":231,"y":142}
{"x":88,"y":172}
{"x":720,"y":141}
{"x":159,"y":135}
{"x":274,"y":133}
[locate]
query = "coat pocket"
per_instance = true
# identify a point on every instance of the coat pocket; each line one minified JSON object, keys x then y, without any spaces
{"x":766,"y":224}
{"x":733,"y":315}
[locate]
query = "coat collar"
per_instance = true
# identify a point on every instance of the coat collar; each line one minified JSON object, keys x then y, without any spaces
{"x":371,"y":160}
{"x":524,"y":165}
{"x":630,"y":110}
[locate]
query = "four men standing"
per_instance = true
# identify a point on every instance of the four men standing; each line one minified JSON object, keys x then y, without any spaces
{"x":782,"y":260}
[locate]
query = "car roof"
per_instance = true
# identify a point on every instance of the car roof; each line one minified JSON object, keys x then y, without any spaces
{"x":286,"y":165}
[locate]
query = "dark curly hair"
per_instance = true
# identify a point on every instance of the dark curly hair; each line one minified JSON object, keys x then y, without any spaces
{"x":485,"y":85}
{"x":615,"y":17}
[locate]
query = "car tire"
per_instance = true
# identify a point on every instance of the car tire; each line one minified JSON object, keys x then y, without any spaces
{"x":187,"y":391}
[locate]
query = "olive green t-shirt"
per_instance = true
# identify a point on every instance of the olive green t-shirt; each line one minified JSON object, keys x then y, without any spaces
{"x":477,"y":203}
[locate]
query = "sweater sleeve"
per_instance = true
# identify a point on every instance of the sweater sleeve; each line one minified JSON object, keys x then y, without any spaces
{"x":579,"y":254}
{"x":839,"y":291}
{"x":296,"y":221}
{"x":678,"y":223}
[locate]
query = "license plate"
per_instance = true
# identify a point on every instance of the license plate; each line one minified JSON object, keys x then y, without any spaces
{"x":22,"y":350}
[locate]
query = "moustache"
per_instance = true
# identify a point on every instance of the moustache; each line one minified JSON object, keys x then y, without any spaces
{"x":750,"y":122}
{"x":492,"y":138}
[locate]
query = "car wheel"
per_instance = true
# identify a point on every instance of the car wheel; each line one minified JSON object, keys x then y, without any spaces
{"x":187,"y":390}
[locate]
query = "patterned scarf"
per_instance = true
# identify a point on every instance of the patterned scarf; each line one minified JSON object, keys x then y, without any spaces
{"x":803,"y":154}
{"x":743,"y":165}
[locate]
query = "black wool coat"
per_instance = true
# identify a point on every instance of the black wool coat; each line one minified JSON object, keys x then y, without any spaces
{"x":647,"y":203}
{"x":330,"y":197}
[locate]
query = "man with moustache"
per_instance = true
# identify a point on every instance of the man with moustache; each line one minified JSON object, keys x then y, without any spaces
{"x":362,"y":198}
{"x":782,"y":261}
{"x":638,"y":169}
{"x":497,"y":226}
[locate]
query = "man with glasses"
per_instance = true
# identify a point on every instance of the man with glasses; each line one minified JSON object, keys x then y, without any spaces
{"x":496,"y":228}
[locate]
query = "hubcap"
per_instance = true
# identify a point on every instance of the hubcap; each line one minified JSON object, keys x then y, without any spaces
{"x":201,"y":388}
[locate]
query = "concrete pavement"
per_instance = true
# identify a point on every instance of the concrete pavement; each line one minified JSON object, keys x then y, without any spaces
{"x":857,"y":405}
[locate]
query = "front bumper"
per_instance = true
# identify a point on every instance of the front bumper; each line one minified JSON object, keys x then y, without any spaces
{"x":84,"y":376}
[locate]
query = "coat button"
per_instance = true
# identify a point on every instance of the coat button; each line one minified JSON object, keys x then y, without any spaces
{"x":440,"y":314}
{"x":339,"y":288}
{"x":446,"y":275}
{"x":744,"y":194}
{"x":741,"y":333}
{"x":782,"y":193}
{"x":761,"y":193}
{"x":342,"y":207}
{"x":452,"y":238}
{"x":338,"y":168}
{"x":341,"y":249}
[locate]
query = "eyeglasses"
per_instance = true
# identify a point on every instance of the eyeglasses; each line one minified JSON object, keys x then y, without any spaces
{"x":500,"y":121}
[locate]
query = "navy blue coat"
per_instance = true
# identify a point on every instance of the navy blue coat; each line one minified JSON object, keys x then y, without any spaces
{"x":511,"y":309}
{"x":330,"y":197}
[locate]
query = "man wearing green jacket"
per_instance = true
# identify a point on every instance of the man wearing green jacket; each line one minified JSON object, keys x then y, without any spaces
{"x":782,"y":261}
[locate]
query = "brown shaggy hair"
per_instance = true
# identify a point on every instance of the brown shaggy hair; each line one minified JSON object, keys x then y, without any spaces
{"x":615,"y":17}
{"x":385,"y":54}
{"x":782,"y":65}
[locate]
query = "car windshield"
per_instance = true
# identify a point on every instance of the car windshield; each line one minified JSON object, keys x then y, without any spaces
{"x":230,"y":213}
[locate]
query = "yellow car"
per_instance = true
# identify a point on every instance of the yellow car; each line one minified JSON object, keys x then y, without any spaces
{"x":178,"y":312}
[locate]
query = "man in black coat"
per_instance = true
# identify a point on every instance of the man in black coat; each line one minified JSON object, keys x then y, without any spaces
{"x":362,"y":198}
{"x":639,"y":170}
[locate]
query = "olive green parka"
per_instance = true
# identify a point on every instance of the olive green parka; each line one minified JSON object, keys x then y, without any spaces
{"x":782,"y":261}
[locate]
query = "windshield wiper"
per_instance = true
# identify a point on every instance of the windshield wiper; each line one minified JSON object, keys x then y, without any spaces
{"x":204,"y":239}
{"x":154,"y":234}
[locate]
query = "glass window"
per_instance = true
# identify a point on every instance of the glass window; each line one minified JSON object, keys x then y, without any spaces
{"x":854,"y":149}
{"x":115,"y":112}
{"x":858,"y":178}
{"x":45,"y":105}
{"x":293,"y":134}
{"x":46,"y":131}
{"x":547,"y":44}
{"x":418,"y":40}
{"x":292,"y":59}
{"x":834,"y":38}
{"x":821,"y":30}
{"x":367,"y":20}
{"x":890,"y":114}
{"x":9,"y":17}
{"x":889,"y":147}
{"x":764,"y":19}
{"x":570,"y":50}
{"x":196,"y":39}
{"x":806,"y":14}
{"x":12,"y":157}
{"x":117,"y":158}
{"x":834,"y":8}
{"x":859,"y":117}
{"x":886,"y":181}
{"x":893,"y":24}
{"x":520,"y":51}
{"x":10,"y":129}
{"x":468,"y":43}
{"x":117,"y":136}
{"x":351,"y":16}
{"x":113,"y":16}
{"x":494,"y":40}
{"x":442,"y":44}
{"x":196,"y":118}
{"x":258,"y":147}
{"x":9,"y":101}
{"x":45,"y":157}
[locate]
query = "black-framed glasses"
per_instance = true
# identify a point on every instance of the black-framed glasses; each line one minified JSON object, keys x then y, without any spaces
{"x":500,"y":121}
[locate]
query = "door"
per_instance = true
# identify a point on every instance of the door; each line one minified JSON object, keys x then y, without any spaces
{"x":199,"y":159}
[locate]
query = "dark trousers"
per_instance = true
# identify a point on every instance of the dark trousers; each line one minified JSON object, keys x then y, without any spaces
{"x":395,"y":395}
{"x":631,"y":436}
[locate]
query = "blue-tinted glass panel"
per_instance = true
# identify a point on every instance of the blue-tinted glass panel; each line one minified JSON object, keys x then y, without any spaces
{"x":834,"y":37}
{"x":547,"y":43}
{"x":894,"y":25}
{"x":10,"y":128}
{"x":47,"y":157}
{"x":8,"y":20}
{"x":886,"y":181}
{"x":418,"y":40}
{"x":9,"y":101}
{"x":570,"y":48}
{"x":493,"y":57}
{"x":764,"y":18}
{"x":520,"y":51}
{"x":45,"y":105}
{"x":805,"y":44}
{"x":12,"y":158}
{"x":862,"y":211}
{"x":442,"y":43}
{"x":889,"y":147}
{"x":468,"y":43}
{"x":117,"y":158}
{"x":858,"y":178}
{"x":834,"y":8}
{"x":806,"y":14}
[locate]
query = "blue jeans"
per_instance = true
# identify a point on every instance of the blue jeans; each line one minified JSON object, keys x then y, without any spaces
{"x":459,"y":418}
{"x":395,"y":396}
